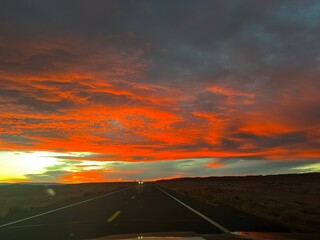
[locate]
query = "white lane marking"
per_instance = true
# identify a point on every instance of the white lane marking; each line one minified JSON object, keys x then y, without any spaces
{"x":61,"y":208}
{"x":195,"y":211}
{"x":29,"y":226}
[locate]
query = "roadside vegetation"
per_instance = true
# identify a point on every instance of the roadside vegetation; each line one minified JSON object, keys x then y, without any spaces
{"x":23,"y":197}
{"x":293,"y":199}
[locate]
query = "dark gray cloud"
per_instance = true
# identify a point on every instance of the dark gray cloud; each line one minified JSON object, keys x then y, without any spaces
{"x":209,"y":102}
{"x":114,"y":100}
{"x":238,"y":166}
{"x":31,"y":99}
{"x":72,"y":86}
{"x":216,"y":41}
{"x":18,"y":139}
{"x":276,"y":140}
{"x":49,"y":61}
{"x":84,"y":157}
{"x":28,"y":102}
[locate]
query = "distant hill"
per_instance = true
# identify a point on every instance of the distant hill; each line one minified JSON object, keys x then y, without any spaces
{"x":251,"y":177}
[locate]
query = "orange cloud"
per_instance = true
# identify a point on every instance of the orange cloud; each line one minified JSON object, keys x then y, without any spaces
{"x":85,"y":176}
{"x":213,"y":164}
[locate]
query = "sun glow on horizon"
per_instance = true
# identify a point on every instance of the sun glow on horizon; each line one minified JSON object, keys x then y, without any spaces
{"x":16,"y":165}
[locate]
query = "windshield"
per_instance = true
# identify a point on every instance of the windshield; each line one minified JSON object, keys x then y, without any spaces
{"x":159,"y":116}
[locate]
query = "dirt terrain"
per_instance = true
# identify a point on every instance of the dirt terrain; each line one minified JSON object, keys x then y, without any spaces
{"x":23,"y":197}
{"x":292,"y":199}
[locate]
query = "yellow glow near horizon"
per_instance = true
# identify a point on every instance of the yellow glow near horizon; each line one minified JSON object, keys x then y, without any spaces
{"x":92,"y":165}
{"x":15,"y":165}
{"x":313,"y":167}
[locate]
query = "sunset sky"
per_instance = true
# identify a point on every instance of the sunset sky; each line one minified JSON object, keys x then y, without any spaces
{"x":143,"y":89}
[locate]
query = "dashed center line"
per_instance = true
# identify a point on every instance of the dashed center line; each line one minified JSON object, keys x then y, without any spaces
{"x":114,"y":216}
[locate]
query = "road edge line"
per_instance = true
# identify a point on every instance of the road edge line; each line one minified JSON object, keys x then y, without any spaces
{"x":61,"y":208}
{"x":198,"y":213}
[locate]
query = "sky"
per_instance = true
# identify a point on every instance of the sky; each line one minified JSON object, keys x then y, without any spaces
{"x":97,"y":90}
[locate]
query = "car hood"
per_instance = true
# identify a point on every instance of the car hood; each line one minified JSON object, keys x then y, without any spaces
{"x":194,"y":236}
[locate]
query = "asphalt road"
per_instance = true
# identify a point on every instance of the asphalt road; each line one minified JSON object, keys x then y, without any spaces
{"x":139,"y":209}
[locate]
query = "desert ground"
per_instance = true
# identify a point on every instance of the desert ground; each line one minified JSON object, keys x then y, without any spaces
{"x":24,"y":197}
{"x":293,"y":199}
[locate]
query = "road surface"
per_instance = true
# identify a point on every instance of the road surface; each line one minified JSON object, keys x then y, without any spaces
{"x":138,"y":209}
